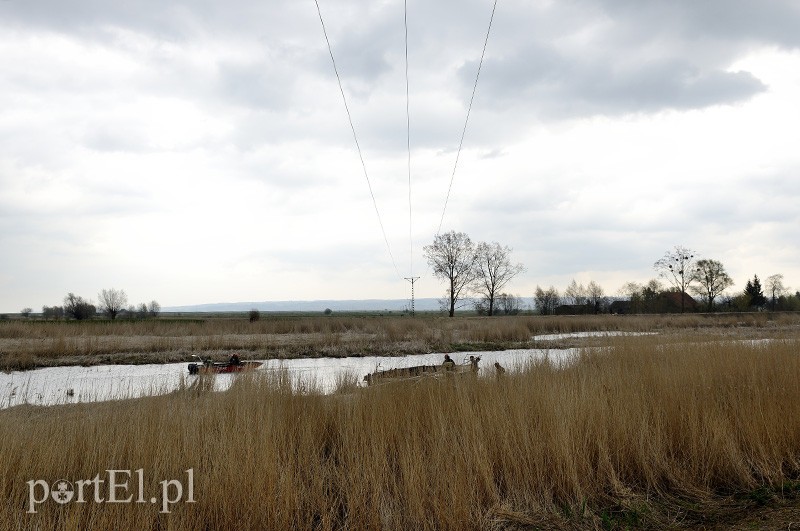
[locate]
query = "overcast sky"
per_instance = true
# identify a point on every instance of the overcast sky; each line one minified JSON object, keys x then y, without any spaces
{"x":197,"y":152}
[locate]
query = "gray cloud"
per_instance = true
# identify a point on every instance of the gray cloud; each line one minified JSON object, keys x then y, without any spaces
{"x":769,"y":21}
{"x":628,"y":57}
{"x":120,"y":112}
{"x":556,"y":86}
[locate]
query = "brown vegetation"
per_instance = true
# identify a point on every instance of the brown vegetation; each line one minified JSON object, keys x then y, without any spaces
{"x":642,"y":434}
{"x":28,"y":344}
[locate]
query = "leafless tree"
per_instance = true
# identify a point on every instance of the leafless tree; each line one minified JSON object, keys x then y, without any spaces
{"x":77,"y":307}
{"x":154,"y":308}
{"x":630,"y":289}
{"x":678,"y":268}
{"x":112,"y":301}
{"x":509,"y":304}
{"x":52,"y":312}
{"x":595,"y":295}
{"x":546,"y":300}
{"x":575,"y":294}
{"x":775,"y":288}
{"x":644,"y":298}
{"x":712,"y":280}
{"x":494,"y":271}
{"x":452,"y":258}
{"x":26,"y":312}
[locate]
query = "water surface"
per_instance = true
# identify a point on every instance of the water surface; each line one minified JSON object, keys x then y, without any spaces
{"x":60,"y":385}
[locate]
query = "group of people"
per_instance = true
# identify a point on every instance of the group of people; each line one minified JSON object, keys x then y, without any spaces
{"x":449,"y":364}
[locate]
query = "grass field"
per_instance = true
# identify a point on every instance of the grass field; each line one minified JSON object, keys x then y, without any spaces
{"x":692,"y":428}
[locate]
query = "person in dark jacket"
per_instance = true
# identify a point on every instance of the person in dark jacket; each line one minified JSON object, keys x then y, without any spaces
{"x":449,"y":364}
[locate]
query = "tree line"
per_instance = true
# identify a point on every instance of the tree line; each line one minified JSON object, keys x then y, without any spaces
{"x":476,"y":274}
{"x":111,"y":303}
{"x":680,"y":272}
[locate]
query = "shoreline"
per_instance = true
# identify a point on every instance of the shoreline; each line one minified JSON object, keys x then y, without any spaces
{"x":38,"y":344}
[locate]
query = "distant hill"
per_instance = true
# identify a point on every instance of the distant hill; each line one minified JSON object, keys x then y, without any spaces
{"x":366,"y":305}
{"x":369,"y":305}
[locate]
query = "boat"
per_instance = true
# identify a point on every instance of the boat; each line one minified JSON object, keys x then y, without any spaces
{"x":469,"y":366}
{"x":218,"y":367}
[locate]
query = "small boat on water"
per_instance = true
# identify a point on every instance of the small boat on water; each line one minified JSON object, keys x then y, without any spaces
{"x":449,"y":367}
{"x":219,"y":367}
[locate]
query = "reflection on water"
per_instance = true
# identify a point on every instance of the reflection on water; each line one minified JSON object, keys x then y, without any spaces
{"x":571,"y":335}
{"x":60,"y":385}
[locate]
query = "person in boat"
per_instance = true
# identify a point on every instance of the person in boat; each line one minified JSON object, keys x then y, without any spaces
{"x":449,"y":364}
{"x":234,"y":360}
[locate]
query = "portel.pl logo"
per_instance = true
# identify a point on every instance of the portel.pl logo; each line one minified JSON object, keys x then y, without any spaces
{"x":117,"y":487}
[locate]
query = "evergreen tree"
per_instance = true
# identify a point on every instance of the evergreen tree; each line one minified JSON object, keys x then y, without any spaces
{"x":753,"y":290}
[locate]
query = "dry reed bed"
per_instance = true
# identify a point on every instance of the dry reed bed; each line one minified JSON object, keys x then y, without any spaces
{"x":37,"y":343}
{"x":640,"y":433}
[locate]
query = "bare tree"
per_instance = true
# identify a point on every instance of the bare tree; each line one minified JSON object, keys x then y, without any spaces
{"x":509,"y":304}
{"x":644,"y":298}
{"x":452,"y":258}
{"x":77,"y":307}
{"x":712,"y":279}
{"x":112,"y":301}
{"x":595,"y":296}
{"x":494,"y":271}
{"x":575,"y":294}
{"x":546,"y":300}
{"x":154,"y":308}
{"x":678,"y":268}
{"x":26,"y":312}
{"x":775,"y":288}
{"x":630,"y":289}
{"x":52,"y":312}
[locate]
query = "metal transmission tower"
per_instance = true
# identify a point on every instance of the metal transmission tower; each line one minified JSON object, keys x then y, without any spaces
{"x":412,"y":280}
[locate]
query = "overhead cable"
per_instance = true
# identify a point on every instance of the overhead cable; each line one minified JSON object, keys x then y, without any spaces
{"x":408,"y":146}
{"x":355,"y":138}
{"x":466,"y":121}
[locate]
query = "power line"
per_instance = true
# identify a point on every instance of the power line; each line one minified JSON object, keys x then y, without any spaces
{"x":355,"y":138}
{"x":466,"y":121}
{"x":411,"y":278}
{"x":408,"y":137}
{"x":408,"y":145}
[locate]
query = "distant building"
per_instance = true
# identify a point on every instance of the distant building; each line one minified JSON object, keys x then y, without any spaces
{"x":672,"y":302}
{"x":664,"y":302}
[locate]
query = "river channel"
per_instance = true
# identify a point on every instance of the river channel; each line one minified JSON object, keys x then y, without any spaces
{"x":63,"y":385}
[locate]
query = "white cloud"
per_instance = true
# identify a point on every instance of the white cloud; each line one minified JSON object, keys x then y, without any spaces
{"x":200,"y":152}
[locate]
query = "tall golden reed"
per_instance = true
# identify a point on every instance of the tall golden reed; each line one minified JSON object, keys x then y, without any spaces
{"x":657,"y":429}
